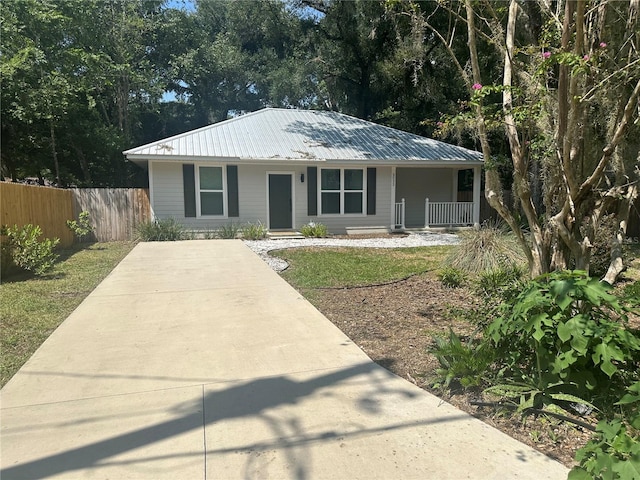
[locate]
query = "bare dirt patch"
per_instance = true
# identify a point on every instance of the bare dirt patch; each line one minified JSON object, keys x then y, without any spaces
{"x":395,"y":324}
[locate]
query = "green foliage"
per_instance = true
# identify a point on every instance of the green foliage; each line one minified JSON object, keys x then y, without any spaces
{"x":229,"y":231}
{"x":253,"y":231}
{"x":501,"y":284}
{"x":82,"y":227}
{"x":452,"y":277}
{"x":342,"y":267}
{"x":631,"y":293}
{"x":163,"y":230}
{"x":613,"y":453}
{"x":464,"y":362}
{"x":26,"y":251}
{"x":491,"y":247}
{"x":315,"y":230}
{"x":565,"y":338}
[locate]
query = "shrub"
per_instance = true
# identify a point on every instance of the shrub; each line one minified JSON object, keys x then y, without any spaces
{"x":314,"y":230}
{"x":564,"y":339}
{"x":451,"y":277}
{"x":500,"y":285}
{"x":491,"y":247}
{"x":165,"y":230}
{"x":82,"y":227}
{"x":24,"y":250}
{"x":464,"y":362}
{"x":229,"y":231}
{"x":614,"y":450}
{"x":253,"y":231}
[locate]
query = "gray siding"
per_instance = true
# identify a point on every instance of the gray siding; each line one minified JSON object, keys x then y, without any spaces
{"x":168,"y":198}
{"x":416,"y":184}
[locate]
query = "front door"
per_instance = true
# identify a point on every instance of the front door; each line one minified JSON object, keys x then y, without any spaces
{"x":280,"y":201}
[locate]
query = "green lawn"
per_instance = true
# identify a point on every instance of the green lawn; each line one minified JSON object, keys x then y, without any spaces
{"x":341,"y":267}
{"x":31,"y":308}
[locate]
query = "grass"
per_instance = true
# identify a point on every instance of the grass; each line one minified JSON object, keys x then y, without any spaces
{"x":633,"y":272}
{"x":344,"y":267}
{"x":31,"y":308}
{"x":490,"y":248}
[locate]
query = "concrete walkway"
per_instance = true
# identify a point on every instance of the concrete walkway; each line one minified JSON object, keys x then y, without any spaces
{"x":195,"y":360}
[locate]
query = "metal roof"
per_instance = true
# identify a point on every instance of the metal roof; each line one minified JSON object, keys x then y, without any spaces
{"x":274,"y":134}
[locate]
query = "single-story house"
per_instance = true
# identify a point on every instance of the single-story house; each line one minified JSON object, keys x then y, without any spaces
{"x":286,"y":167}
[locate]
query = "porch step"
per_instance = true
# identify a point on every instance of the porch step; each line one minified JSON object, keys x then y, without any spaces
{"x":285,"y":236}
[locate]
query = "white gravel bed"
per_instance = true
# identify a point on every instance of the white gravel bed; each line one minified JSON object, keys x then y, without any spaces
{"x":263,"y":247}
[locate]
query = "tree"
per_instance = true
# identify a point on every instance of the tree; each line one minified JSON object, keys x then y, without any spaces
{"x":75,"y":75}
{"x":568,"y":104}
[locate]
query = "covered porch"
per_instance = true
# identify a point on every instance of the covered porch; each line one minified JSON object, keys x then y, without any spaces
{"x":435,"y":197}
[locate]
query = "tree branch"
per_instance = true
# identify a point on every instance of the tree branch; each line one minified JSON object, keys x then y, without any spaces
{"x":607,"y":152}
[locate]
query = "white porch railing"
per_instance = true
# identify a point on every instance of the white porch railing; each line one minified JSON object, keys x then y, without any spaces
{"x":448,"y":213}
{"x":399,"y":215}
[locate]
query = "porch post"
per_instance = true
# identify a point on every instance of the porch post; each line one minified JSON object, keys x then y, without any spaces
{"x":476,"y":195}
{"x":454,"y":186}
{"x":393,"y":198}
{"x":426,"y":212}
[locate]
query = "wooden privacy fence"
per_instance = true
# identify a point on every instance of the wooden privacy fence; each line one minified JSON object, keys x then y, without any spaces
{"x":50,"y":208}
{"x":114,"y":212}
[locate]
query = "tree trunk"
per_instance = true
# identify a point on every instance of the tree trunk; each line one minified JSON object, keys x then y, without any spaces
{"x":54,"y":152}
{"x":616,"y":267}
{"x":84,"y":166}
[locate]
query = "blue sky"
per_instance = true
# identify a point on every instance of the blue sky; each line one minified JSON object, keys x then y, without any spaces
{"x":188,"y":5}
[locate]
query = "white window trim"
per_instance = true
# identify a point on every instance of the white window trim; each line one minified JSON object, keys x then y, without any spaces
{"x":225,"y":206}
{"x":342,"y":191}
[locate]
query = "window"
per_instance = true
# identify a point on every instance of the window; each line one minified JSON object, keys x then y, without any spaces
{"x":211,"y":190}
{"x":341,"y":191}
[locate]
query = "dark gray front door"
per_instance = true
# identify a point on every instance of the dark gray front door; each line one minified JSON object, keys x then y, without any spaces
{"x":280,"y":201}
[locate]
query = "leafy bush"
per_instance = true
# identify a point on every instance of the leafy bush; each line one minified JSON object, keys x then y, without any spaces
{"x":253,"y":231}
{"x":491,"y":247}
{"x":564,"y":339}
{"x":464,"y":362}
{"x":229,"y":231}
{"x":451,"y":277}
{"x":82,"y":227}
{"x":614,"y":451}
{"x":165,"y":230}
{"x":314,"y":230}
{"x":24,"y":250}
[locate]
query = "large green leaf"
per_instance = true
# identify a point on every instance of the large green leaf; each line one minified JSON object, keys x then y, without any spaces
{"x":561,"y":290}
{"x":603,"y":354}
{"x":579,"y":473}
{"x":628,"y":469}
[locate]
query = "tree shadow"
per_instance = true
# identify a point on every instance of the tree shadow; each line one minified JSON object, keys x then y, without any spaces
{"x":253,"y":399}
{"x":365,"y":140}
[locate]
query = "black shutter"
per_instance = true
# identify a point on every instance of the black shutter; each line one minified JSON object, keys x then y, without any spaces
{"x":232,"y":191}
{"x":189,"y":182}
{"x":312,"y":191}
{"x":371,"y":191}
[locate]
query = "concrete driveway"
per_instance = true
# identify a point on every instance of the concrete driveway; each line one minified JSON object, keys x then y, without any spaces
{"x":195,"y":360}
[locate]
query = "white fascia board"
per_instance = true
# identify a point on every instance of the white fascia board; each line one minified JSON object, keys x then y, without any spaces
{"x":232,"y":160}
{"x":407,"y":163}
